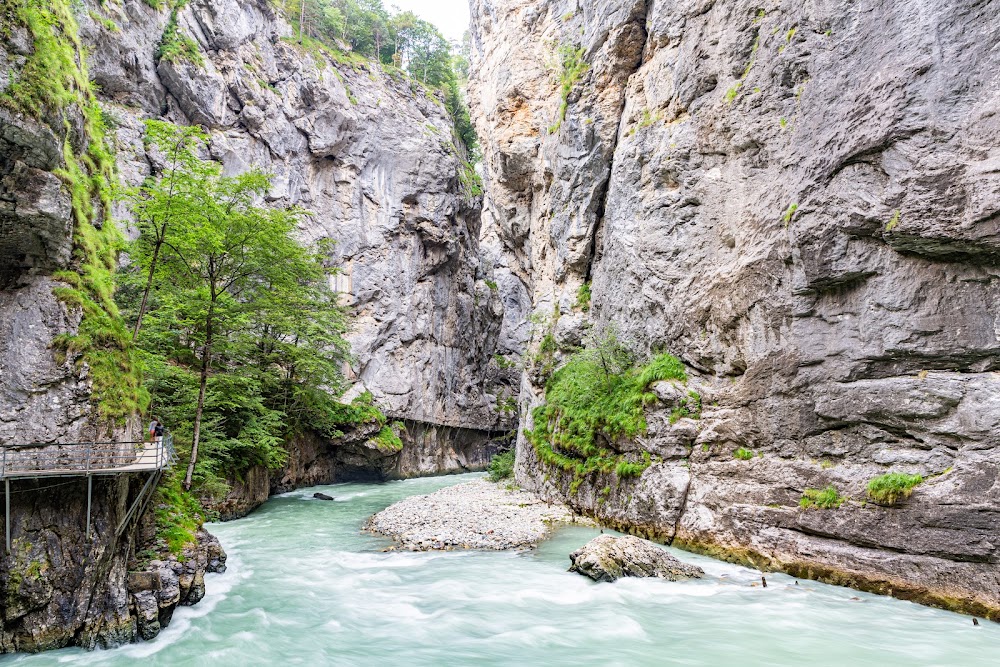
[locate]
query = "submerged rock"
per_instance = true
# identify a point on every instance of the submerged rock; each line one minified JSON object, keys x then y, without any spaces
{"x":607,"y":558}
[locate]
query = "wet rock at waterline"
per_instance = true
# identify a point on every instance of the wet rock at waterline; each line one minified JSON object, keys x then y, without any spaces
{"x":322,"y":496}
{"x":607,"y":558}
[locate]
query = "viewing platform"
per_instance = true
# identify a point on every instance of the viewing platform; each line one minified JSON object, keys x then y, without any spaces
{"x":79,"y":459}
{"x":87,"y":459}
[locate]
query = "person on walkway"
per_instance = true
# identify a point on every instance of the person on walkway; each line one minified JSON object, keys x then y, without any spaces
{"x":151,"y":431}
{"x":158,"y":431}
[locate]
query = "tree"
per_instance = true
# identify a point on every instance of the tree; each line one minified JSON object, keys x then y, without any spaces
{"x":225,"y":258}
{"x":160,"y":199}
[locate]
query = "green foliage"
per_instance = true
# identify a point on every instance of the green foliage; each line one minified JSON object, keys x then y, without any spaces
{"x":743,"y":454}
{"x":178,"y":515}
{"x":789,"y":213}
{"x":689,"y":406}
{"x":175,"y":46}
{"x":827,"y":498}
{"x":890,"y":488}
{"x":572,"y":66}
{"x":503,"y":362}
{"x":502,"y":466}
{"x":492,"y":285}
{"x":595,"y":399}
{"x":472,"y":184}
{"x":388,"y":440}
{"x":583,"y":297}
{"x":893,"y":221}
{"x":234,"y":294}
{"x":662,"y":367}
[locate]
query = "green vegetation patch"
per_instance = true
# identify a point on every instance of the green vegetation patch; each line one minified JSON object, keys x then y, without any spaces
{"x":388,"y":439}
{"x":572,"y":66}
{"x":175,"y":46}
{"x":583,"y":297}
{"x":502,"y":466}
{"x":54,"y":82}
{"x":743,"y":454}
{"x":178,"y":515}
{"x":828,"y":498}
{"x":890,"y":488}
{"x":596,"y":398}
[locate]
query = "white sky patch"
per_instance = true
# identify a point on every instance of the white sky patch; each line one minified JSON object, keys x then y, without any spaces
{"x":450,"y":16}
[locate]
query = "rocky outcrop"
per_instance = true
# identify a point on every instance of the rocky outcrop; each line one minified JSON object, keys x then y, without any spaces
{"x":802,"y":210}
{"x":608,"y":558}
{"x":162,"y":584}
{"x":369,"y":153}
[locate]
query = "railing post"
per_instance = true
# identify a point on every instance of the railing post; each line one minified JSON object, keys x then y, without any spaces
{"x":6,"y":484}
{"x":90,"y":481}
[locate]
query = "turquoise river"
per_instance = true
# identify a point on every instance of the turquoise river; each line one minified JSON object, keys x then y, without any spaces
{"x":306,"y":587}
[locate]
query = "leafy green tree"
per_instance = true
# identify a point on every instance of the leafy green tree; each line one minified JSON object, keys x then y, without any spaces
{"x":236,"y":294}
{"x":161,"y":198}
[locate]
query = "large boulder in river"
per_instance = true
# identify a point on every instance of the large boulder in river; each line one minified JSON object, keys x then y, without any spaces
{"x":607,"y":558}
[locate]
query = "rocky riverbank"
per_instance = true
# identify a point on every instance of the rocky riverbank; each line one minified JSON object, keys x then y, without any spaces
{"x":474,"y":515}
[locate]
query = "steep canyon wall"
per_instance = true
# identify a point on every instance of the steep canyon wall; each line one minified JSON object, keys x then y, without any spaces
{"x":800,"y":200}
{"x":369,"y":153}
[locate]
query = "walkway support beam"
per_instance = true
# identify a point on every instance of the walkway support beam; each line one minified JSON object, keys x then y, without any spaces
{"x":6,"y":484}
{"x":90,"y":489}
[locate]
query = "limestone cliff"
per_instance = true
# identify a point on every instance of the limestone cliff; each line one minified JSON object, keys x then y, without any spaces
{"x":800,"y":200}
{"x":367,"y":152}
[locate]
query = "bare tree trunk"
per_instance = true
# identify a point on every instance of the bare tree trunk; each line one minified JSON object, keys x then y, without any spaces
{"x":302,"y":22}
{"x":206,"y":358}
{"x":149,"y":281}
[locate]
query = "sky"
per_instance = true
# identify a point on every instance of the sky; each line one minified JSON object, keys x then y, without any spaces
{"x":450,"y":16}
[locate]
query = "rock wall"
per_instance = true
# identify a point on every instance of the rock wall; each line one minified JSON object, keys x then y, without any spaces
{"x":370,"y":154}
{"x":801,"y":202}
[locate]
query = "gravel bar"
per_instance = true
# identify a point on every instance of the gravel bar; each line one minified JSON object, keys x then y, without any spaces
{"x":474,"y":515}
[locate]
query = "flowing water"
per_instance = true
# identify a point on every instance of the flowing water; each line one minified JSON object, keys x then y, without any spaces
{"x":306,"y":587}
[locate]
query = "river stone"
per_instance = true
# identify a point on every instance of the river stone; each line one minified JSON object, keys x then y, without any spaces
{"x":608,"y":558}
{"x":322,"y":496}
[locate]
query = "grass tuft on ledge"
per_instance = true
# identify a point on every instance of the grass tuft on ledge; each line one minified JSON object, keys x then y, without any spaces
{"x":890,"y":488}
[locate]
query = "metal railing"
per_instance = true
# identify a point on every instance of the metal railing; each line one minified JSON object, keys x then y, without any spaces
{"x":85,"y":458}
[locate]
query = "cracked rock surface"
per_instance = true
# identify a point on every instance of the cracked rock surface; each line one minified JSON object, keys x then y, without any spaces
{"x":805,"y":212}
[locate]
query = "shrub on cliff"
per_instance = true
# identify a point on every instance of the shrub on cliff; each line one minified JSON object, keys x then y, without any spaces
{"x":892,"y":487}
{"x":597,"y":397}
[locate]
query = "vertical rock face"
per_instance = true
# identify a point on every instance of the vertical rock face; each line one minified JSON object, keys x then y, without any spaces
{"x":805,"y":211}
{"x":369,"y":154}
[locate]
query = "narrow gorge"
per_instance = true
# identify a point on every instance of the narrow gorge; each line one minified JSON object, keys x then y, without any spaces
{"x":724,"y":276}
